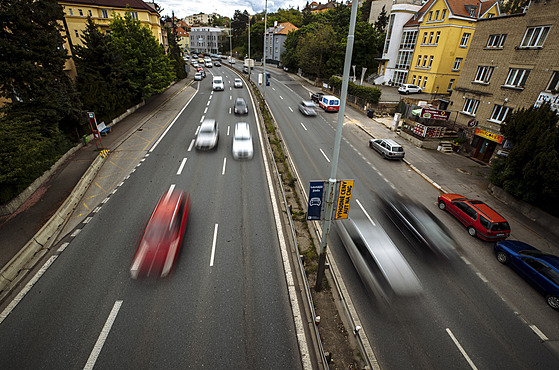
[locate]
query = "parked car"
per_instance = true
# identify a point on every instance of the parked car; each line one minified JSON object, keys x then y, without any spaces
{"x":480,"y":219}
{"x":307,"y":108}
{"x":197,"y":76}
{"x":238,"y":82}
{"x":388,"y":148}
{"x":317,"y":96}
{"x":242,"y":142}
{"x":240,"y":106}
{"x":162,"y":238}
{"x":409,"y":89}
{"x":539,"y":269}
{"x":410,"y":217}
{"x":208,"y":135}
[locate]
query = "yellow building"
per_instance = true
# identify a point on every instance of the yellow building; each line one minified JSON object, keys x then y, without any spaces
{"x":445,"y":30}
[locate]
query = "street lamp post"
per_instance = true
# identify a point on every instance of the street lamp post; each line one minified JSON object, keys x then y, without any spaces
{"x":331,"y":186}
{"x":265,"y":40}
{"x":249,"y":47}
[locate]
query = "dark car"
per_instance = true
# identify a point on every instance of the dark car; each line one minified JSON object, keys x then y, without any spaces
{"x":540,"y":269}
{"x":417,"y":220}
{"x":162,"y":237}
{"x":480,"y":219}
{"x":317,"y":96}
{"x":217,"y":63}
{"x":240,"y":106}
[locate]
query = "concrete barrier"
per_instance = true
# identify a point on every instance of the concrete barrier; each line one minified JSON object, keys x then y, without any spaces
{"x":16,"y":269}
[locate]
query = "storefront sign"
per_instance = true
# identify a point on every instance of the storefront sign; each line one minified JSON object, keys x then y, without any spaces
{"x":442,"y":115}
{"x":489,"y":135}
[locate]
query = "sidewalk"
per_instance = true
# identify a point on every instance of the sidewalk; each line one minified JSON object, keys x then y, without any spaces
{"x":20,"y":227}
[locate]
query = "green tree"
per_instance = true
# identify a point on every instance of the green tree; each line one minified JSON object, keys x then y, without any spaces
{"x":382,"y":21}
{"x":147,"y":68}
{"x":175,"y":53}
{"x":514,"y":6}
{"x":531,"y":170}
{"x":314,"y":47}
{"x":101,"y":82}
{"x":366,"y":10}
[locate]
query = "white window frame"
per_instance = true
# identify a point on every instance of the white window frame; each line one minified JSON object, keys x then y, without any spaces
{"x":431,"y":34}
{"x":134,"y":15}
{"x":104,"y":13}
{"x":437,"y":36}
{"x":457,"y":64}
{"x":483,"y":74}
{"x":418,"y":61}
{"x":450,"y":84}
{"x":424,"y":82}
{"x":470,"y":106}
{"x":424,"y":38}
{"x":424,"y":65}
{"x":499,"y":113}
{"x":517,"y":77}
{"x":443,"y":15}
{"x":465,"y":40}
{"x":553,"y":82}
{"x":534,"y":37}
{"x":430,"y":61}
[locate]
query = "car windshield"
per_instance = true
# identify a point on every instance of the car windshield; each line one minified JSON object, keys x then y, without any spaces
{"x":397,"y":149}
{"x":206,"y":129}
{"x":500,"y":226}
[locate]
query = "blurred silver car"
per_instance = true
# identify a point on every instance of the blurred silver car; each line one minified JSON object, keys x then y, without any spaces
{"x":208,"y":135}
{"x":240,"y":106}
{"x":238,"y":82}
{"x":307,"y":108}
{"x":379,"y":263}
{"x":242,"y":142}
{"x":197,"y":76}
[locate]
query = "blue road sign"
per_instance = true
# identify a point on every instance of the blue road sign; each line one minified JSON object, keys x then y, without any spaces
{"x":314,"y":207}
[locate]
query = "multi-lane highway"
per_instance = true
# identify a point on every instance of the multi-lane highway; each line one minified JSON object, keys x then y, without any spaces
{"x":459,"y":320}
{"x":227,"y":303}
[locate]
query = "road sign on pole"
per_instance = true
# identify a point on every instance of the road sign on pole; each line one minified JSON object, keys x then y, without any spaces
{"x":344,"y":198}
{"x":314,"y":206}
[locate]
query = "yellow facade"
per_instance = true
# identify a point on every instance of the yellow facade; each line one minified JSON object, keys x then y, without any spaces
{"x":75,"y":15}
{"x":441,"y":48}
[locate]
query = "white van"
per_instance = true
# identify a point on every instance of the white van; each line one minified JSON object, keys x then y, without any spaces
{"x":218,"y":84}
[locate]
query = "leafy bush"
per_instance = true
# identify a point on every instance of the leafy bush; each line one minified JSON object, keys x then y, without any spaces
{"x":369,"y":94}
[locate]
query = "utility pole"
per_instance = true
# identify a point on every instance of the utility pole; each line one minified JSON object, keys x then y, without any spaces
{"x":265,"y":40}
{"x":331,"y":186}
{"x":249,"y":47}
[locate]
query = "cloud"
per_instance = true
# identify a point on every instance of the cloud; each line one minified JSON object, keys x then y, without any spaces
{"x":225,"y":8}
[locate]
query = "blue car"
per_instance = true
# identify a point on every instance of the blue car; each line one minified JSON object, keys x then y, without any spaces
{"x":538,"y":268}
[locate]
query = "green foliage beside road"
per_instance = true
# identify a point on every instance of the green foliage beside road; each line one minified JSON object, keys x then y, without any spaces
{"x":531,"y":170}
{"x":369,"y":94}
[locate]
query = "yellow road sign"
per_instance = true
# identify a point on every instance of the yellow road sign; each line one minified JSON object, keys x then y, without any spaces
{"x":344,"y":198}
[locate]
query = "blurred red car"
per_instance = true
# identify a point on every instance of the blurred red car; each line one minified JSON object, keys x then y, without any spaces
{"x":480,"y":219}
{"x":163,"y":235}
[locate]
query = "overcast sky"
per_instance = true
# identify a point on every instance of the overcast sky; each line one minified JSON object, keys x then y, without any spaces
{"x":226,"y":8}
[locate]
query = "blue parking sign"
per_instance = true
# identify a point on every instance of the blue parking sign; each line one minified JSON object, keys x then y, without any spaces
{"x":314,"y":207}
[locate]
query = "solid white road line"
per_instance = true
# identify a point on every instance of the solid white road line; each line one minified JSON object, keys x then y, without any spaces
{"x":224,"y":163}
{"x":181,"y":166}
{"x":324,"y":154}
{"x":26,"y":289}
{"x":191,"y":145}
{"x":172,"y":123}
{"x":304,"y":126}
{"x":213,"y":246}
{"x":470,"y":362}
{"x":103,"y":336}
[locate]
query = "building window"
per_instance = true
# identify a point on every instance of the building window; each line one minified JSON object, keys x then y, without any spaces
{"x":89,"y":13}
{"x":418,"y":80}
{"x":499,"y":114}
{"x":424,"y":82}
{"x":71,"y":12}
{"x":413,"y":80}
{"x":450,"y":85}
{"x":430,"y":38}
{"x":465,"y":39}
{"x":424,"y":38}
{"x":80,"y":12}
{"x":408,"y":40}
{"x":404,"y":59}
{"x":437,"y":37}
{"x":430,"y":16}
{"x":419,"y":60}
{"x":470,"y":106}
{"x":443,"y":15}
{"x":496,"y":41}
{"x":430,"y":61}
{"x":483,"y":74}
{"x":437,"y":15}
{"x":457,"y":63}
{"x":104,"y":13}
{"x":77,"y":33}
{"x":424,"y":61}
{"x":554,"y":82}
{"x":517,"y":77}
{"x":134,"y":15}
{"x":535,"y":37}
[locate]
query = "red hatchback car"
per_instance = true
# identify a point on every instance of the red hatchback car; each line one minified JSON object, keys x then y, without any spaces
{"x":478,"y":217}
{"x":162,"y":238}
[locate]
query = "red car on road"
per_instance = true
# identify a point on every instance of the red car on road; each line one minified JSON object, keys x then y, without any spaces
{"x":480,"y":219}
{"x":162,"y":238}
